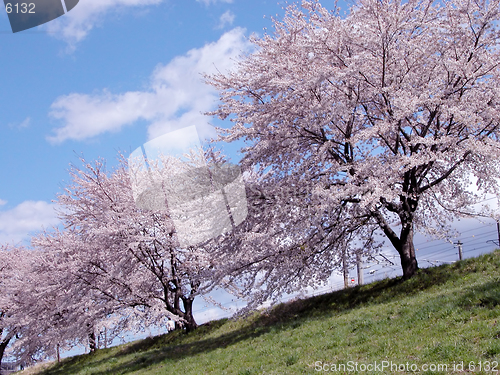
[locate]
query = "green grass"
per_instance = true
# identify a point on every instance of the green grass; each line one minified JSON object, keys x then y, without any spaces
{"x":443,"y":315}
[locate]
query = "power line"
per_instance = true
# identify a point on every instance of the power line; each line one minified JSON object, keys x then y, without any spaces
{"x":470,"y":245}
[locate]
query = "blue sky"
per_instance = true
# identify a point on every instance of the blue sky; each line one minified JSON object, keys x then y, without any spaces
{"x":108,"y":76}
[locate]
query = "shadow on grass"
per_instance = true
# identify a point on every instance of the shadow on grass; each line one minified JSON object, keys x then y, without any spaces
{"x":172,"y":346}
{"x":153,"y":350}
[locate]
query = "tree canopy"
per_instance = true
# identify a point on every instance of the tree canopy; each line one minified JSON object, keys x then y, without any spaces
{"x":359,"y":129}
{"x":386,"y":115}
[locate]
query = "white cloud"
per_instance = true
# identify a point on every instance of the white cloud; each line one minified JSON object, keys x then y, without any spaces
{"x":2,"y":202}
{"x":208,"y":315}
{"x":22,"y":125}
{"x":25,"y":219}
{"x":208,"y":2}
{"x":176,"y":98}
{"x":226,"y":19}
{"x":25,"y":123}
{"x":77,"y":23}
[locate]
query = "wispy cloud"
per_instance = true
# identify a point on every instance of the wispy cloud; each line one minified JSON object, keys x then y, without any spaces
{"x":23,"y":125}
{"x":176,"y":98}
{"x":76,"y":24}
{"x":226,"y":19}
{"x":2,"y":202}
{"x":209,"y":2}
{"x":208,"y":315}
{"x":27,"y":218}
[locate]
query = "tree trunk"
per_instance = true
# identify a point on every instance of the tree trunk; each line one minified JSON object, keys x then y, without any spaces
{"x":92,"y":338}
{"x":3,"y":346}
{"x":406,"y":251}
{"x":92,"y":342}
{"x":191,"y":325}
{"x":190,"y":322}
{"x":404,"y":243}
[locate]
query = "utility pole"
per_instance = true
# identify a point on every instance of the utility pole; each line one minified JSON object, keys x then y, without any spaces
{"x":498,"y":231}
{"x":345,"y":269}
{"x":359,"y":264}
{"x":459,"y":244}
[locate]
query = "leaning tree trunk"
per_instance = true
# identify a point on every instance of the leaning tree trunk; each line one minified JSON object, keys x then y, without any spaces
{"x":404,"y":243}
{"x":3,"y":346}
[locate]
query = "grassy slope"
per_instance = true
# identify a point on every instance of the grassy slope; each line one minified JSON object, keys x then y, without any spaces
{"x":443,"y":315}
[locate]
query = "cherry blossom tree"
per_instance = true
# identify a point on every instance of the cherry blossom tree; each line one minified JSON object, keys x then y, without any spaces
{"x":128,"y":259}
{"x":386,"y":115}
{"x":14,"y":263}
{"x":56,"y":310}
{"x":289,"y":242}
{"x":115,"y":263}
{"x":27,"y":316}
{"x":116,"y":266}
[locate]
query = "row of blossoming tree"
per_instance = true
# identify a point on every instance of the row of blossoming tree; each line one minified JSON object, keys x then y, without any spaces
{"x":110,"y":265}
{"x":358,"y":129}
